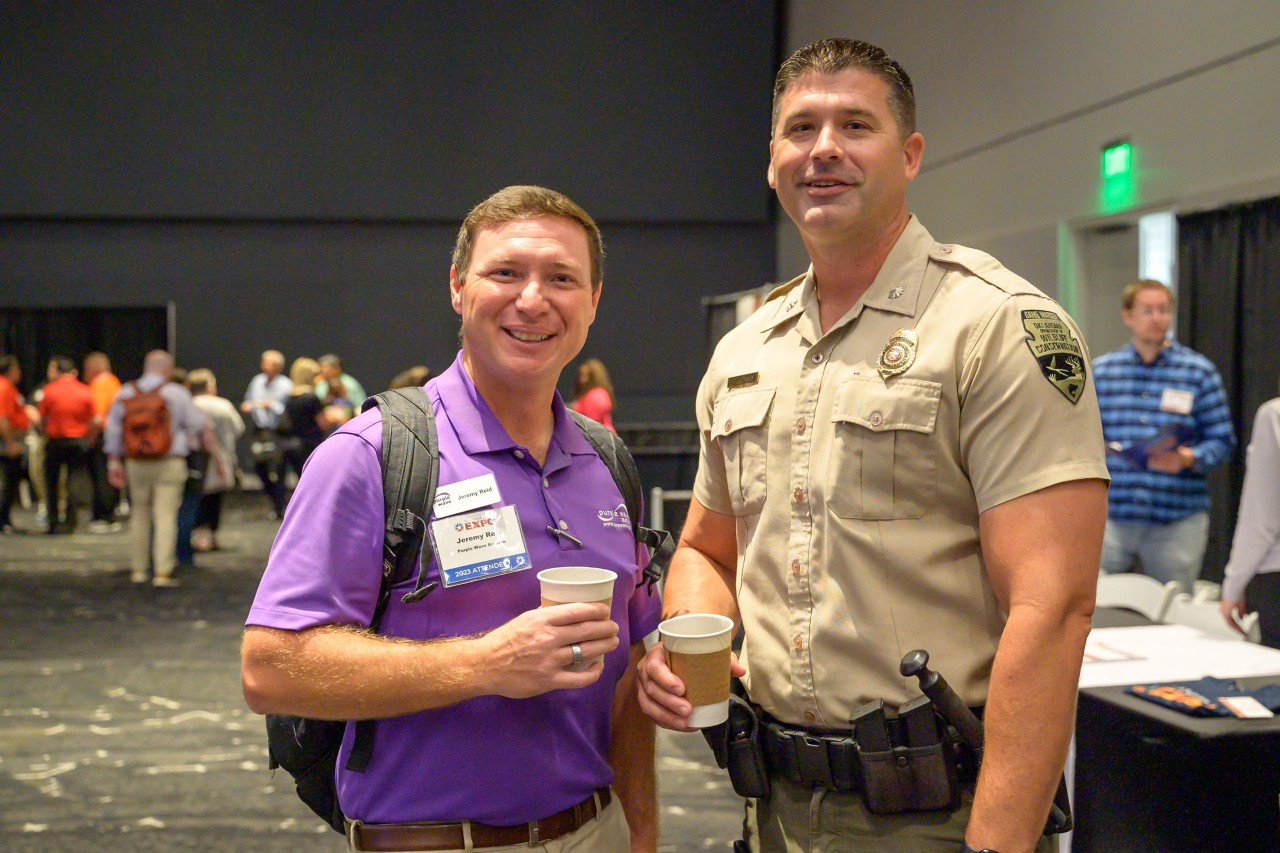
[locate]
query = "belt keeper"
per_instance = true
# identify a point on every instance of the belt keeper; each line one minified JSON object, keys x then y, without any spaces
{"x":811,"y":752}
{"x":533,"y":833}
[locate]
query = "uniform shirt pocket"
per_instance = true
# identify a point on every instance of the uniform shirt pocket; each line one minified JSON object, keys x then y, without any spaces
{"x":884,"y":453}
{"x":741,"y":429}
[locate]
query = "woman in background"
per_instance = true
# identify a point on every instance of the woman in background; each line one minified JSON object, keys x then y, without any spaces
{"x":219,"y":477}
{"x":1252,"y":580}
{"x":305,"y":421}
{"x":593,"y":393}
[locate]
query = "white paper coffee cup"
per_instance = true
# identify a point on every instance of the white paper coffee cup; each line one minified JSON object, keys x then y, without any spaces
{"x":568,"y":584}
{"x":698,"y":649}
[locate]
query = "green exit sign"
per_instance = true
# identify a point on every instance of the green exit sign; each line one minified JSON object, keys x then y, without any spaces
{"x":1117,"y":160}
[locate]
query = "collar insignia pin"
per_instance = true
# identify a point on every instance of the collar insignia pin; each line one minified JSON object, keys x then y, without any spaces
{"x":898,"y":354}
{"x":895,"y":293}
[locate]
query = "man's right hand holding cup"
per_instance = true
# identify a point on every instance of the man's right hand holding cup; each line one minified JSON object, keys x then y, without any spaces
{"x":696,"y":646}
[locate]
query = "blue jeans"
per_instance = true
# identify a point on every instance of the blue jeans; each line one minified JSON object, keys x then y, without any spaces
{"x":1169,"y":552}
{"x":187,"y":521}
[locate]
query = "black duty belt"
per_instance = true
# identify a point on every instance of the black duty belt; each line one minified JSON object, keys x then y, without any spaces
{"x":827,"y":757}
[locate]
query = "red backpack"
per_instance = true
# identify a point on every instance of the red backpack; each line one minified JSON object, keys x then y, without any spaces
{"x":147,"y":432}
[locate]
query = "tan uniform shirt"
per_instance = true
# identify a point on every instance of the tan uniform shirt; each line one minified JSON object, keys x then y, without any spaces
{"x":857,"y":493}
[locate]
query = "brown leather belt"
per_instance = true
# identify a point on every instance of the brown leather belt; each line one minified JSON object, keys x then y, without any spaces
{"x":449,"y":836}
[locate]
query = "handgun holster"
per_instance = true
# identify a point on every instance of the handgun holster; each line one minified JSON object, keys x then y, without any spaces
{"x":736,"y":746}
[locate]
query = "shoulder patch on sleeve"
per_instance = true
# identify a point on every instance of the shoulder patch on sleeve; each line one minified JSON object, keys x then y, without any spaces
{"x":1056,"y":351}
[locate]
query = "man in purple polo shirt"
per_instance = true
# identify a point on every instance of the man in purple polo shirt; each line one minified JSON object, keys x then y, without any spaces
{"x":482,"y":730}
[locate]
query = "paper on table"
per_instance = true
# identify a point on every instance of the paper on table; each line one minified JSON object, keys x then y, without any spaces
{"x":1173,"y":653}
{"x":1098,"y":651}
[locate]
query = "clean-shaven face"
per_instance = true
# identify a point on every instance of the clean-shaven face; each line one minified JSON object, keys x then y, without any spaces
{"x":838,"y":160}
{"x":1150,"y":317}
{"x":526,"y":302}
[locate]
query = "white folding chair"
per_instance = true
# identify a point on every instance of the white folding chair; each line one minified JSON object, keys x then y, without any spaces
{"x":1139,"y":593}
{"x":1206,"y":616}
{"x":1202,"y":591}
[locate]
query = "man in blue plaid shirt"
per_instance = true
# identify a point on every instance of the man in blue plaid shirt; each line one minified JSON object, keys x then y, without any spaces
{"x":1166,"y":423}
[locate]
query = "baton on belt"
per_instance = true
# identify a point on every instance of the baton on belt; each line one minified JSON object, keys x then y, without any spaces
{"x":957,"y":714}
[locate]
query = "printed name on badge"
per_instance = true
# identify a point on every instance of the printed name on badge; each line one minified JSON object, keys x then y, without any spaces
{"x":465,"y":495}
{"x":1177,"y":401}
{"x":479,"y":545}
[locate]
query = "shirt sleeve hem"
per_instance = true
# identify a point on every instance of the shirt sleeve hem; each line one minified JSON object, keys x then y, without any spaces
{"x":287,"y":620}
{"x":1042,"y":480}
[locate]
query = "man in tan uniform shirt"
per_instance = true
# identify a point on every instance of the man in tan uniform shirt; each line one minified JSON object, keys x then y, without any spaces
{"x":901,"y":449}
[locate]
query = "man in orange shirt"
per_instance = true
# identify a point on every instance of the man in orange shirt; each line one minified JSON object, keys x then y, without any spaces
{"x":104,"y":385}
{"x":66,"y":410}
{"x":13,"y":424}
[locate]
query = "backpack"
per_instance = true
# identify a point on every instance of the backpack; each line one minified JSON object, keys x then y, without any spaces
{"x":308,"y":749}
{"x":147,"y":430}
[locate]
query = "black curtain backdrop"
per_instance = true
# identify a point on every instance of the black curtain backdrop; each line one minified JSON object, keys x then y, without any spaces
{"x":35,"y":335}
{"x":1229,"y":310}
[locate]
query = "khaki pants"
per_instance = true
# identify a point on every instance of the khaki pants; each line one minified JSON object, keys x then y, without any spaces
{"x":155,"y":491}
{"x":608,"y":833}
{"x":798,"y":819}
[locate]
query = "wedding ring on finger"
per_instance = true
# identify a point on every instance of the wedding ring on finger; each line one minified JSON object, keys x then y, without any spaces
{"x":577,"y":653}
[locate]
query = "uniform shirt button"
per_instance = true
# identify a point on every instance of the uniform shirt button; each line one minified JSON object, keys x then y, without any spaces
{"x":519,"y":454}
{"x":946,"y":250}
{"x":728,"y":425}
{"x":817,"y":357}
{"x":564,"y":525}
{"x":810,"y":717}
{"x":797,"y":643}
{"x":798,"y":495}
{"x":799,"y":426}
{"x":545,"y":483}
{"x":876,"y":419}
{"x":795,"y":567}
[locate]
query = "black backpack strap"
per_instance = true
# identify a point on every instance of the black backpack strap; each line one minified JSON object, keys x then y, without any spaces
{"x":410,"y":463}
{"x":617,"y":458}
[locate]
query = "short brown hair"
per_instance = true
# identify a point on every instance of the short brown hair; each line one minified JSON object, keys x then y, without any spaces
{"x":1133,"y":288}
{"x":831,"y":56}
{"x":527,"y":202}
{"x":201,"y":381}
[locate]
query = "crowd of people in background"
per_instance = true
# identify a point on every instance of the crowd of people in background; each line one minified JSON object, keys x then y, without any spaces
{"x":67,"y":437}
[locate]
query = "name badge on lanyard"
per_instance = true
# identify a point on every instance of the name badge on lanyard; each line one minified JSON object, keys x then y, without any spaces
{"x":479,"y":545}
{"x":1177,"y":401}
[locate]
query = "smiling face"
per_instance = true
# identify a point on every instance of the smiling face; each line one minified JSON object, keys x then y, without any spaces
{"x":838,"y":159}
{"x":526,"y":303}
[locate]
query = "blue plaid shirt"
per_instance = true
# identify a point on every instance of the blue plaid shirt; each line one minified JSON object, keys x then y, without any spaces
{"x":1129,"y":395}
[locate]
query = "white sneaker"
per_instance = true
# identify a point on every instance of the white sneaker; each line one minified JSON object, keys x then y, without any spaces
{"x":160,"y":581}
{"x":138,"y":577}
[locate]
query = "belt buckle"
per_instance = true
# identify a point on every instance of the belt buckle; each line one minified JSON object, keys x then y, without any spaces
{"x":353,"y":829}
{"x":533,"y":834}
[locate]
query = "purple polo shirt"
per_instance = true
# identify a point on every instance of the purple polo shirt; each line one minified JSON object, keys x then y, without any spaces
{"x":490,"y":759}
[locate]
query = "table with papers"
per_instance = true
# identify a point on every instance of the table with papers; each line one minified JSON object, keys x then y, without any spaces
{"x":1151,"y":778}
